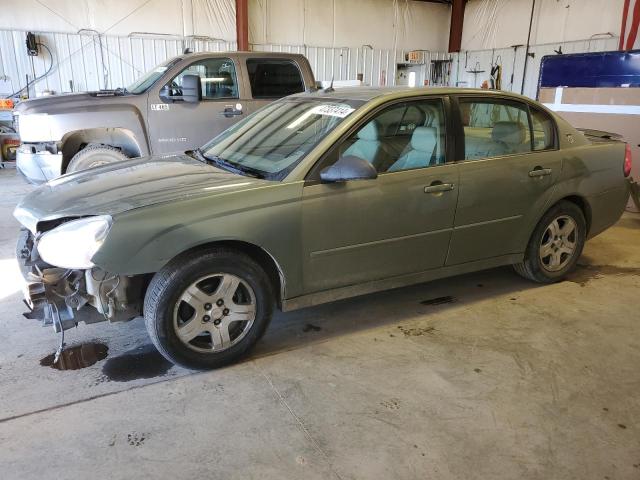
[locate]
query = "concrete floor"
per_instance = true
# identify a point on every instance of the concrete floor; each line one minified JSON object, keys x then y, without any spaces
{"x":508,"y":380}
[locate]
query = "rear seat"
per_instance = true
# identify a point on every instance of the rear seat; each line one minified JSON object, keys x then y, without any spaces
{"x":505,"y":138}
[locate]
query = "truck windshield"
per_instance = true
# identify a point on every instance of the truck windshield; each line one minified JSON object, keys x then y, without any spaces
{"x":272,"y":141}
{"x":148,"y":79}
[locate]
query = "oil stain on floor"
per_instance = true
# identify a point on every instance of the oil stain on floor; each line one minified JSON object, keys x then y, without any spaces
{"x":141,"y":362}
{"x":77,"y":357}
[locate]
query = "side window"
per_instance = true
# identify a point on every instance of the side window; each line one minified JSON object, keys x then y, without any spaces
{"x":543,"y":130}
{"x":404,"y":136}
{"x":217,"y":75}
{"x":494,"y":128}
{"x":274,"y":78}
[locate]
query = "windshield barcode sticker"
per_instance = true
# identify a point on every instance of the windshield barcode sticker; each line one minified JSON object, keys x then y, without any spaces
{"x":340,"y":111}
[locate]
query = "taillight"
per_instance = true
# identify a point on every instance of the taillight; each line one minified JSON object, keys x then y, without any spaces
{"x":627,"y":161}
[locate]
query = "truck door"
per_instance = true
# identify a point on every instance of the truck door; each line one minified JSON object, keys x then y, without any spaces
{"x":176,"y":126}
{"x":270,"y":79}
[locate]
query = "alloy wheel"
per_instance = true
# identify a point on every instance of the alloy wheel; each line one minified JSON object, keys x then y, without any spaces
{"x":214,"y":313}
{"x":558,"y":244}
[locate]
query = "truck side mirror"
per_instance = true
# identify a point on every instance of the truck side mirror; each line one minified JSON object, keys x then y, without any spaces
{"x":191,"y":89}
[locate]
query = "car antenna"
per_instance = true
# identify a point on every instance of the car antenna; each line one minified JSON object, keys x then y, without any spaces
{"x":330,"y":88}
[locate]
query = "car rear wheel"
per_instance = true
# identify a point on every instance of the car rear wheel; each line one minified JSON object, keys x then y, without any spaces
{"x":208,"y":309}
{"x":95,"y":155}
{"x":556,"y":244}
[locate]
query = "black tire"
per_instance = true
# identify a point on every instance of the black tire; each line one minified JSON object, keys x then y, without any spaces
{"x":533,"y":268}
{"x":95,"y":155}
{"x":167,"y":286}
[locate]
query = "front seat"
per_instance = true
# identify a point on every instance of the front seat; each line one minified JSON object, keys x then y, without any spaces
{"x":368,"y":145}
{"x":421,"y":150}
{"x":509,"y":137}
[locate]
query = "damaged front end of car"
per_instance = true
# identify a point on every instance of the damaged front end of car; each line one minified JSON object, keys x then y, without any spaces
{"x":63,"y":297}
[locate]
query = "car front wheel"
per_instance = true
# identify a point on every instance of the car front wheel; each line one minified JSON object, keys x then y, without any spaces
{"x":208,"y":309}
{"x":555,"y":245}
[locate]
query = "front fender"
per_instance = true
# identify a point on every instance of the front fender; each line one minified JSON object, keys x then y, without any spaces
{"x":146,"y":239}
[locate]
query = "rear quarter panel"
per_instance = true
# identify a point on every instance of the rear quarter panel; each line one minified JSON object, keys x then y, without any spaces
{"x":594,"y":172}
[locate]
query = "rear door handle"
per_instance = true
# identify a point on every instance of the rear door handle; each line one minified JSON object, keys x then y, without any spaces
{"x":539,"y":172}
{"x":439,"y":187}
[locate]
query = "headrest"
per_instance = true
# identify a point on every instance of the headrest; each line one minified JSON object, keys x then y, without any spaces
{"x":424,"y":139}
{"x":226,"y":78}
{"x":369,"y":131}
{"x":512,"y":133}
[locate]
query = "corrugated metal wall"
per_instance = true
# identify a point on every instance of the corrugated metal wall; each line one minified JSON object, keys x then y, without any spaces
{"x":377,"y":66}
{"x":88,"y":60}
{"x":93,"y":62}
{"x":466,"y":62}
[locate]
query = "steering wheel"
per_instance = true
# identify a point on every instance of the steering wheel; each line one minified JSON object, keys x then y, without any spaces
{"x":176,"y":89}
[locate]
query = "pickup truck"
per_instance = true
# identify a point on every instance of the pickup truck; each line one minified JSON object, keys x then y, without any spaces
{"x":179,"y":105}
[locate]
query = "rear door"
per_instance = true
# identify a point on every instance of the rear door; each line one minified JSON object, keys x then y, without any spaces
{"x":509,"y":167}
{"x":397,"y":224}
{"x":269,"y":79}
{"x":176,"y":126}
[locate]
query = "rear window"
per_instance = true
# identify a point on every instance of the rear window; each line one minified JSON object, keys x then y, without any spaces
{"x":274,"y":78}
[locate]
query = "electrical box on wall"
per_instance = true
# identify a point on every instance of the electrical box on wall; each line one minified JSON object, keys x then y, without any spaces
{"x":32,"y":45}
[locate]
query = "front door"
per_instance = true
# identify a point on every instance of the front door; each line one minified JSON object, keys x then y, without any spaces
{"x":397,"y":224}
{"x":176,"y":126}
{"x":508,"y":173}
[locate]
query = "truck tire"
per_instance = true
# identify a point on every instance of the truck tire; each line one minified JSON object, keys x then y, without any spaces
{"x":94,"y":155}
{"x":206,"y":309}
{"x":555,"y":245}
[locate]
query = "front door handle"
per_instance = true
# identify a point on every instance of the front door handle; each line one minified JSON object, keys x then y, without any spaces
{"x":539,"y":172}
{"x":439,"y":187}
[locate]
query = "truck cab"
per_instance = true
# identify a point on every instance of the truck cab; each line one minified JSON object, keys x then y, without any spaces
{"x":179,"y":105}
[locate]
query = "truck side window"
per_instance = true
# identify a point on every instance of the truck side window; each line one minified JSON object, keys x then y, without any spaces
{"x":274,"y":78}
{"x":217,"y":75}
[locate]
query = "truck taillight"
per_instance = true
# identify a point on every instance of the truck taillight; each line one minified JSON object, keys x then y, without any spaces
{"x":627,"y":161}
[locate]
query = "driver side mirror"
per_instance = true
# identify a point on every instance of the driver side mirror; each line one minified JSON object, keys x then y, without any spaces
{"x":348,"y":168}
{"x":191,"y":89}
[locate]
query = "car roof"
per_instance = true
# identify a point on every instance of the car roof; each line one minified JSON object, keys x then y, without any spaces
{"x":369,"y":93}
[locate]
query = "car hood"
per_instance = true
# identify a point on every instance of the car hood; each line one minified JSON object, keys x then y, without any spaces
{"x":68,"y":101}
{"x":116,"y":188}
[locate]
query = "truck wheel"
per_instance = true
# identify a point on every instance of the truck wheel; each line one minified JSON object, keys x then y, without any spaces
{"x":555,"y":245}
{"x":207,"y":309}
{"x":94,"y":155}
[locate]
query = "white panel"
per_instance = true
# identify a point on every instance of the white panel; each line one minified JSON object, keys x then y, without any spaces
{"x":212,"y":18}
{"x":503,"y":23}
{"x":350,"y":23}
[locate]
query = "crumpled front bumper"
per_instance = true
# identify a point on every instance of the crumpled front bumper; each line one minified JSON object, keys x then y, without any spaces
{"x":38,"y":165}
{"x":62,"y":298}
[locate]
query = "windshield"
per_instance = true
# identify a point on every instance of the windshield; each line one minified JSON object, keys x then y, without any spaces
{"x":148,"y":79}
{"x":272,"y":141}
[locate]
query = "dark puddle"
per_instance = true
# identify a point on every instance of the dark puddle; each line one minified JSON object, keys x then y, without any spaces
{"x":142,"y":362}
{"x":585,"y":273}
{"x":75,"y":358}
{"x":311,"y":328}
{"x":439,"y":300}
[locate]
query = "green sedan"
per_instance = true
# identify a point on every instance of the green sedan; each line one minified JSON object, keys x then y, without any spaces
{"x":317,"y":197}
